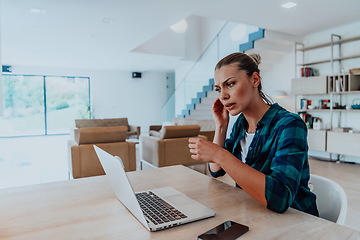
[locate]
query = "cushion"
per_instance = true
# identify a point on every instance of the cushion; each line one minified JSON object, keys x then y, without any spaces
{"x":109,"y":122}
{"x":154,"y":133}
{"x":93,"y":135}
{"x":180,"y":131}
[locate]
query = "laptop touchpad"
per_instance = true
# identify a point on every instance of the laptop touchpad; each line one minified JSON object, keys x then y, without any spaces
{"x":178,"y":200}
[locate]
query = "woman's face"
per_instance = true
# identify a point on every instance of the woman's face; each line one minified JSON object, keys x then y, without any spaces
{"x":236,"y":90}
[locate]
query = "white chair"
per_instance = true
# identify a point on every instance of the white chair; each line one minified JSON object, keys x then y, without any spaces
{"x":330,"y":199}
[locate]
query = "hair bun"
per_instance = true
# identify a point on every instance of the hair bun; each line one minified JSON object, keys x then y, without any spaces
{"x":256,"y":57}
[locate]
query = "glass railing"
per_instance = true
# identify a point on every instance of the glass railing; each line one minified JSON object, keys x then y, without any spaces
{"x":201,"y":70}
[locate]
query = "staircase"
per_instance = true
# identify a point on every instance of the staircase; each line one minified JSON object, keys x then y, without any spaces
{"x":269,"y":44}
{"x":200,"y":107}
{"x":272,"y":47}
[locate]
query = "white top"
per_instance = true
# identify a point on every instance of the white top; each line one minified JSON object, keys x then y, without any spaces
{"x":245,"y":143}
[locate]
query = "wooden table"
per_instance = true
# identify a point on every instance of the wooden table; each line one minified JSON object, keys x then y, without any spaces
{"x":88,"y":209}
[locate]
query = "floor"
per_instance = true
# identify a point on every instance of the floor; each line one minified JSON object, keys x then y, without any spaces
{"x":33,"y":160}
{"x":348,"y":177}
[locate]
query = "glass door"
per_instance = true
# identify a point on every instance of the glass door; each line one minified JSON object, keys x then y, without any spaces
{"x":67,"y":99}
{"x":22,"y":110}
{"x":42,"y":105}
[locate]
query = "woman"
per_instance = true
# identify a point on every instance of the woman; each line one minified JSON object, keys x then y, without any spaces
{"x":266,"y":154}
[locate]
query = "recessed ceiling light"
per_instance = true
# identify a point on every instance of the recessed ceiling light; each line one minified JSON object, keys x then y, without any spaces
{"x":180,"y":26}
{"x":108,"y":20}
{"x":37,"y":11}
{"x":289,"y":5}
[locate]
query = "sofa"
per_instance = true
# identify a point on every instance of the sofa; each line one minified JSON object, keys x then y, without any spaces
{"x":207,"y":126}
{"x":132,"y":131}
{"x":83,"y":161}
{"x":169,"y":146}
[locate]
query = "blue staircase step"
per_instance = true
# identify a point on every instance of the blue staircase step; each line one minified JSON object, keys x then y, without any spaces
{"x":195,"y":100}
{"x":185,"y":112}
{"x":252,"y":38}
{"x":190,"y":106}
{"x":207,"y":88}
{"x":246,"y":46}
{"x":201,"y":94}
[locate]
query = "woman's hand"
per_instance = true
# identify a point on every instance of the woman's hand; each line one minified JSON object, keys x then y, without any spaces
{"x":248,"y":178}
{"x":220,"y":114}
{"x":205,"y":151}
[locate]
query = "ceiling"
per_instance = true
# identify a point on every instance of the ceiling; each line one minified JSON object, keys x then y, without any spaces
{"x":107,"y":34}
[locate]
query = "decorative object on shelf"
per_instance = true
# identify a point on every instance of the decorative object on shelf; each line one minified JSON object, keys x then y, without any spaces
{"x":342,"y":129}
{"x":325,"y":103}
{"x":307,"y":118}
{"x":309,"y":72}
{"x":338,"y":106}
{"x":304,"y":103}
{"x":355,"y":71}
{"x":311,"y":107}
{"x":317,"y":124}
{"x":356,"y":103}
{"x":343,"y":83}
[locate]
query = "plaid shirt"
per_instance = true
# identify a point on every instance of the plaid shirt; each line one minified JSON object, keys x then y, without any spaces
{"x":279,"y":150}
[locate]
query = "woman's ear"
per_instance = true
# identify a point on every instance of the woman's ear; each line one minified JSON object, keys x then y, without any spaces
{"x":256,"y":79}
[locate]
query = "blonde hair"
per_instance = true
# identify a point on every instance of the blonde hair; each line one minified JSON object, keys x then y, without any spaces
{"x":256,"y":58}
{"x":248,"y":63}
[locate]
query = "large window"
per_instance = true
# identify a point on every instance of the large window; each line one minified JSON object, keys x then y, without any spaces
{"x":42,"y":105}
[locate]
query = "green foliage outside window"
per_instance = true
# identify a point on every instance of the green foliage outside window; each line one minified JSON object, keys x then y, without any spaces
{"x":30,"y":101}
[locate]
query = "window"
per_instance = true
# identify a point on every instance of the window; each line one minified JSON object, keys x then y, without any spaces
{"x":42,"y":105}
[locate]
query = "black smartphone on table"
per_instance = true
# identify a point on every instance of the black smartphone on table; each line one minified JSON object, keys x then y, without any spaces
{"x":228,"y":230}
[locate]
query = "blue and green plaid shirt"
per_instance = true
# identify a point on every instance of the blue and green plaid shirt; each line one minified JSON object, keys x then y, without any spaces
{"x":279,"y":150}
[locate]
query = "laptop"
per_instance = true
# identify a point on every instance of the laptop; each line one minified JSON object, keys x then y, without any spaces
{"x":156,"y":209}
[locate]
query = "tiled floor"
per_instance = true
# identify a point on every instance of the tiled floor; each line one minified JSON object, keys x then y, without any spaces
{"x":348,"y":177}
{"x":32,"y":160}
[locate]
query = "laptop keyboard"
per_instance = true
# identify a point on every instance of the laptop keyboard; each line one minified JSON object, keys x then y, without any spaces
{"x":156,"y":209}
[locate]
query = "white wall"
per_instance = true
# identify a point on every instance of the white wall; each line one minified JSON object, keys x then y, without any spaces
{"x":279,"y":79}
{"x":117,"y":94}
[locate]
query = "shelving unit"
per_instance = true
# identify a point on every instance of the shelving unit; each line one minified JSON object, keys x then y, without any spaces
{"x":329,"y":44}
{"x":337,"y":88}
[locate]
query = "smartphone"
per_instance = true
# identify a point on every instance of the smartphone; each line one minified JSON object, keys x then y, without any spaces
{"x":228,"y":230}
